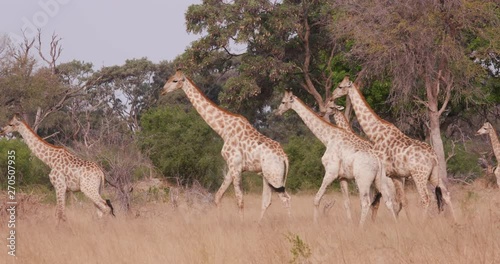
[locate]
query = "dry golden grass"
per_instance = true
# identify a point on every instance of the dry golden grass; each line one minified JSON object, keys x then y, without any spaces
{"x":198,"y":233}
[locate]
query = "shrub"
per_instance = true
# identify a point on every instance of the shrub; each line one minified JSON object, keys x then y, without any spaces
{"x":29,"y":169}
{"x":180,"y":144}
{"x":306,"y":170}
{"x":463,"y":163}
{"x":301,"y":252}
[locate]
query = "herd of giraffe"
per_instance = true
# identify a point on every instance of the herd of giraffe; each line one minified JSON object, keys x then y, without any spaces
{"x":383,"y":160}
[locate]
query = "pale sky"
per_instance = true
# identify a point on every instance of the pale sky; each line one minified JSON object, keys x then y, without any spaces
{"x":105,"y":32}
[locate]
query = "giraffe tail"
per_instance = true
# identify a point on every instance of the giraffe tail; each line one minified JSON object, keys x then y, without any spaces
{"x":277,"y":188}
{"x":376,"y":200}
{"x":439,"y":198}
{"x":108,"y":202}
{"x":380,"y":178}
{"x":281,"y":189}
{"x":285,"y":163}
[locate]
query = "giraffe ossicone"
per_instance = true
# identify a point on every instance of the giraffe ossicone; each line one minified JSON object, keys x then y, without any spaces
{"x":244,"y":149}
{"x":67,"y":171}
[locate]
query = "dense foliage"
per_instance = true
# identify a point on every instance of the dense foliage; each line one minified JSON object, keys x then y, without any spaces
{"x":28,"y":169}
{"x":306,"y":170}
{"x":181,"y":145}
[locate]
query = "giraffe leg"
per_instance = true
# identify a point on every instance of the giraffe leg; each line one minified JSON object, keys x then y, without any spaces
{"x":442,"y":192}
{"x":266,"y":197}
{"x":330,"y":175}
{"x":57,"y":180}
{"x":422,"y":191}
{"x":401,"y":199}
{"x":345,"y":193}
{"x":61,"y":200}
{"x":389,"y":191}
{"x":222,"y":189}
{"x":238,"y":192}
{"x":274,"y":174}
{"x":285,"y":198}
{"x":90,"y":187}
{"x":447,"y":200}
{"x":364,"y":196}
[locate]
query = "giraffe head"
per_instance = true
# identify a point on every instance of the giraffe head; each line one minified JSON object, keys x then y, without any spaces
{"x":332,"y":108}
{"x":342,"y":89}
{"x":12,"y":126}
{"x":174,"y":83}
{"x":286,"y":103}
{"x":485,"y":129}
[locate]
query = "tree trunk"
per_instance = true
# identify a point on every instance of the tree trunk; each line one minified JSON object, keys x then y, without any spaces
{"x":432,"y":89}
{"x":437,"y":144}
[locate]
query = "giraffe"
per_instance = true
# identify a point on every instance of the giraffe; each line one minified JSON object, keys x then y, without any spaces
{"x":346,"y":155}
{"x":487,"y":128}
{"x":403,"y":156}
{"x":67,"y":171}
{"x":341,"y":121}
{"x":338,"y":117}
{"x":244,"y":149}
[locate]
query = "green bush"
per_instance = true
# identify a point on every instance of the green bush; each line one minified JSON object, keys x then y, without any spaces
{"x":306,"y":170}
{"x":29,"y":170}
{"x":463,"y":163}
{"x":180,"y":144}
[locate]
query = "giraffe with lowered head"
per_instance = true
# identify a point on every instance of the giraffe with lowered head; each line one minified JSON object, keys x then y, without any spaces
{"x":346,"y":155}
{"x":403,"y":156}
{"x":341,"y":121}
{"x":244,"y":149}
{"x":487,"y":128}
{"x":67,"y":171}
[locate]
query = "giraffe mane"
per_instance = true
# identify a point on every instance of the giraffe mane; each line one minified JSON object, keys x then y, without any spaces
{"x":369,"y":108}
{"x":212,"y":102}
{"x":40,"y":138}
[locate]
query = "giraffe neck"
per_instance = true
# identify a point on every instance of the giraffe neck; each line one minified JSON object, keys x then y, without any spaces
{"x":40,"y":148}
{"x":211,"y":113}
{"x":341,"y":121}
{"x":495,"y":143}
{"x":374,"y":127}
{"x":322,"y":129}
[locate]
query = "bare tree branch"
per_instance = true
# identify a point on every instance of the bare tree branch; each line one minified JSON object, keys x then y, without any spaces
{"x":449,"y":85}
{"x":55,"y":50}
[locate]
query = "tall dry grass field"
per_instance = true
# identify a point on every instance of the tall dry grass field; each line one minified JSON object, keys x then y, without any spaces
{"x":199,"y":233}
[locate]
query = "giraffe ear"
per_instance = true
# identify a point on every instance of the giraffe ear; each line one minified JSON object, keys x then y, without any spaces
{"x":17,"y":116}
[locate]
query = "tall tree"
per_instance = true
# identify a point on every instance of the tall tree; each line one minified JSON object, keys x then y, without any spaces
{"x":129,"y":89}
{"x":28,"y":87}
{"x":258,"y":45}
{"x":424,"y":46}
